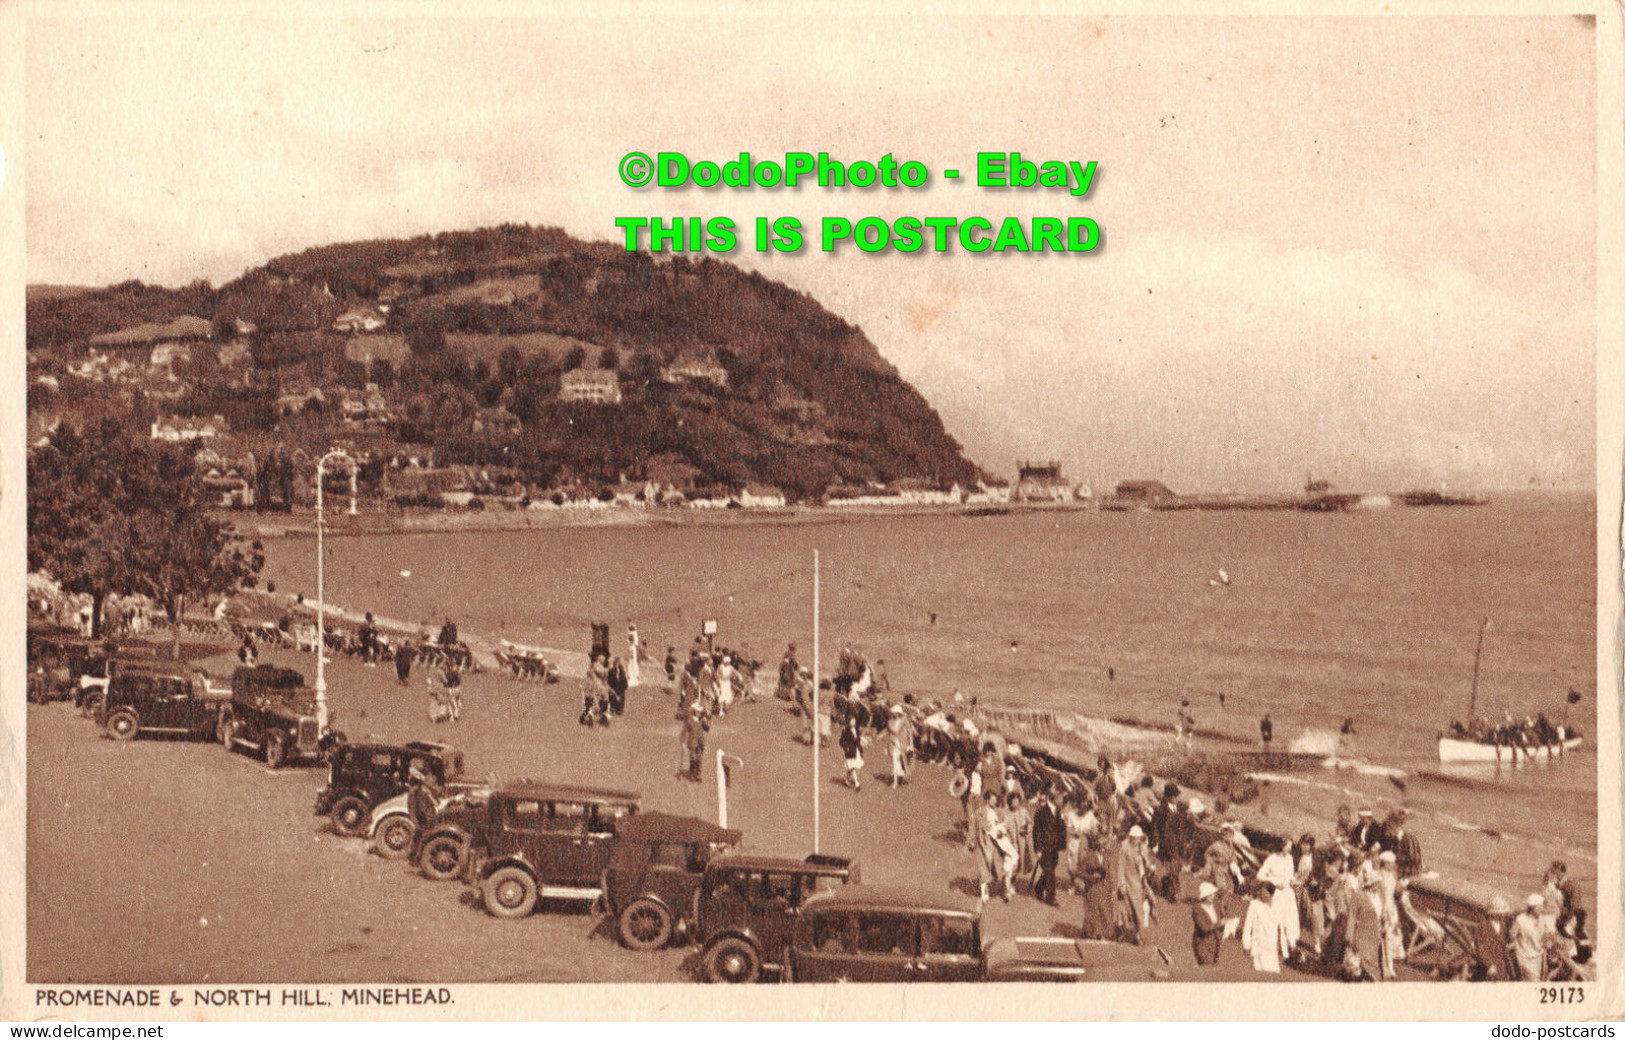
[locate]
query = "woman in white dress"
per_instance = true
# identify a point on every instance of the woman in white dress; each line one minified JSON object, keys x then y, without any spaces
{"x":634,"y":647}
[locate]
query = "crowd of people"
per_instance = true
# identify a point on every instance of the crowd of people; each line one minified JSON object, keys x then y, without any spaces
{"x":1535,"y":732}
{"x":1128,"y":842}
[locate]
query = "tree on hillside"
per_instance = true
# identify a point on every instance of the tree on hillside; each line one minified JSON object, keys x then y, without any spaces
{"x":575,"y":357}
{"x":110,"y":515}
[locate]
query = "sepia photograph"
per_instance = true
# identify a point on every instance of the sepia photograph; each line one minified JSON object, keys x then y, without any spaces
{"x":730,"y":495}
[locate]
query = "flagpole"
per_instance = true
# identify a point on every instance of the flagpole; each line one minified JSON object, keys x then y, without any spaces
{"x":1472,"y":705}
{"x":815,"y":718}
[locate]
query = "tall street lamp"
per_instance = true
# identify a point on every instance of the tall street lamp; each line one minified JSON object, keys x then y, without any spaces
{"x":334,"y":456}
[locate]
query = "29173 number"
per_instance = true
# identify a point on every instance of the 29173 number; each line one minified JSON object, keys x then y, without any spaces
{"x":1562,"y":994}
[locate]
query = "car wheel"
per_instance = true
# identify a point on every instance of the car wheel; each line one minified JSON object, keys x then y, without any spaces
{"x":731,"y":959}
{"x":441,"y":858}
{"x":510,"y":892}
{"x":645,"y":925}
{"x":349,"y":814}
{"x":123,"y":724}
{"x":394,"y":837}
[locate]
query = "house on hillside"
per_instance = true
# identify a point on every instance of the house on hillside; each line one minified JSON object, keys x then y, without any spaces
{"x":370,"y":405}
{"x":592,"y":385}
{"x":103,"y":368}
{"x":178,"y":429}
{"x":229,"y":482}
{"x":670,"y":473}
{"x":921,"y":491}
{"x":166,"y":354}
{"x":359,"y":319}
{"x":497,"y":422}
{"x":229,"y":490}
{"x":634,"y":493}
{"x":761,"y":496}
{"x":1042,"y":483}
{"x":294,"y":399}
{"x":695,"y":370}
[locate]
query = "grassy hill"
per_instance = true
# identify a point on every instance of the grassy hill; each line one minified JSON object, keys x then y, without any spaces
{"x":468,"y":321}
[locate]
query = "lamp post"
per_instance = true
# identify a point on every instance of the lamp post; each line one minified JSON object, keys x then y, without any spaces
{"x":321,"y":592}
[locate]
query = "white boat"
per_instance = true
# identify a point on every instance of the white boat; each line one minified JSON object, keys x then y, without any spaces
{"x":1454,"y":750}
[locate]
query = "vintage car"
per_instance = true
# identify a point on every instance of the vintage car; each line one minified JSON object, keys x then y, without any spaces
{"x":396,"y":826}
{"x":655,"y":874}
{"x":882,"y":934}
{"x":272,"y":711}
{"x":97,"y":671}
{"x":441,"y":834}
{"x":56,"y":660}
{"x":747,"y":905}
{"x":363,"y":775}
{"x":544,"y":841}
{"x":1457,"y":930}
{"x":176,"y":700}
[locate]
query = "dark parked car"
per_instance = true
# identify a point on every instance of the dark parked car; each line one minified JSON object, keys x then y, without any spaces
{"x":56,"y":659}
{"x":96,"y":671}
{"x":655,"y":873}
{"x":158,"y":701}
{"x":1459,"y":931}
{"x":272,"y":711}
{"x":365,"y":775}
{"x":747,"y":905}
{"x":544,"y":840}
{"x":862,"y":934}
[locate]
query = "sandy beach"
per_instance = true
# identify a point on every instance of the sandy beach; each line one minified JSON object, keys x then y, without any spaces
{"x":168,"y":861}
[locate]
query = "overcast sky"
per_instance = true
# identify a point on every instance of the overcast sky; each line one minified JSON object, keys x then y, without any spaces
{"x":1359,"y":247}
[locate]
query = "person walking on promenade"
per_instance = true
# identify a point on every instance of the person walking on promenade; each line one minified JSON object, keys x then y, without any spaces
{"x":616,"y":680}
{"x":852,"y":751}
{"x":1129,"y":892}
{"x":1259,"y":935}
{"x":1528,"y":936}
{"x":671,"y":665}
{"x":1266,"y":729}
{"x":1049,"y":840}
{"x":369,"y":641}
{"x":403,"y":662}
{"x":688,"y":687}
{"x":1366,"y":833}
{"x":1207,"y":928}
{"x":1018,"y":820}
{"x":789,"y":670}
{"x":1403,"y":844}
{"x":1366,"y":953}
{"x":986,"y":838}
{"x":900,"y":730}
{"x":693,"y":737}
{"x":595,"y":695}
{"x":634,"y":650}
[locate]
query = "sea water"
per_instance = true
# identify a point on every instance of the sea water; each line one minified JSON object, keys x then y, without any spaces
{"x":1370,"y":617}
